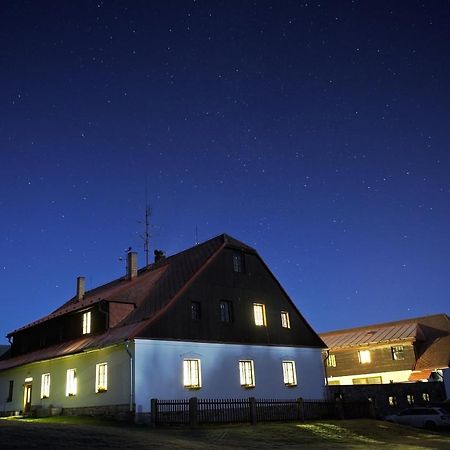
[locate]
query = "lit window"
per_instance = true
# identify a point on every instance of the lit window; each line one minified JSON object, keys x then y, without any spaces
{"x":410,"y":399}
{"x":289,"y":375}
{"x":87,"y":322}
{"x":425,"y":397}
{"x":192,"y":374}
{"x":397,"y":353}
{"x":331,"y":361}
{"x":259,"y":311}
{"x":364,"y":356}
{"x":285,"y":322}
{"x":45,"y":385}
{"x":238,"y":262}
{"x":226,"y":311}
{"x":392,"y":400}
{"x":195,"y":310}
{"x":71,"y":382}
{"x":246,"y":373}
{"x":101,"y":377}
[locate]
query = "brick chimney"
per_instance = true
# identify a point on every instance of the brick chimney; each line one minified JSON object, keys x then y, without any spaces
{"x":131,"y":265}
{"x":81,"y":287}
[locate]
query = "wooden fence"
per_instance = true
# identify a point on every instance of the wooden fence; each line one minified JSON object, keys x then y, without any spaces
{"x":196,"y":411}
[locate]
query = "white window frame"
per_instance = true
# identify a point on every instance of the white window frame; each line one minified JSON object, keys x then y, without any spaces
{"x":285,"y":320}
{"x":71,"y":382}
{"x":289,"y":373}
{"x":192,"y":374}
{"x":398,"y":352}
{"x":364,"y":356}
{"x":259,"y":314}
{"x":87,"y":320}
{"x":331,"y":360}
{"x":45,"y":385}
{"x":247,"y":373}
{"x":101,"y":377}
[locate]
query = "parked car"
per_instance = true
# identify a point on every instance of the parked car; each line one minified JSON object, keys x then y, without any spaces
{"x":421,"y":417}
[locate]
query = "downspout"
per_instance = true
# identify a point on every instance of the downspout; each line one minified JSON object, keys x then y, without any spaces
{"x":127,"y":344}
{"x":327,"y":357}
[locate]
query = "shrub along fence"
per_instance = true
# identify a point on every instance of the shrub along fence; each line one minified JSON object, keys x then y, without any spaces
{"x":196,"y":411}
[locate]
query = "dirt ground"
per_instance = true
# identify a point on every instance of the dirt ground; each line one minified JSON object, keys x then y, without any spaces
{"x":84,"y":433}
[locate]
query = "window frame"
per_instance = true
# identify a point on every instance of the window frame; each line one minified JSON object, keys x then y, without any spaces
{"x":10,"y":391}
{"x":226,"y":313}
{"x":196,"y":311}
{"x":101,"y":379}
{"x":289,"y":373}
{"x":285,"y":320}
{"x":331,"y":360}
{"x":247,"y":373}
{"x":192,"y":373}
{"x":71,"y":383}
{"x":398,"y":352}
{"x":238,"y":262}
{"x":87,"y":322}
{"x":45,"y":385}
{"x":260,"y":318}
{"x":364,"y":356}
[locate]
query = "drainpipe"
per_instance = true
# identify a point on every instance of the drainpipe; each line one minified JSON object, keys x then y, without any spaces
{"x":127,"y":344}
{"x":325,"y":366}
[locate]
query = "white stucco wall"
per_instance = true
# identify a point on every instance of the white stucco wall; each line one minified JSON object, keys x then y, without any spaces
{"x":85,"y":364}
{"x":159,"y":371}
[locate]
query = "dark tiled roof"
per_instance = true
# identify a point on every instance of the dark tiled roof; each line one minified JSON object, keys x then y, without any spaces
{"x":152,"y":291}
{"x":431,"y":335}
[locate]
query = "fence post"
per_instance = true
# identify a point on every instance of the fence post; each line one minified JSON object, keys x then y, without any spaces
{"x":252,"y":402}
{"x":300,"y":409}
{"x":193,"y":412}
{"x":153,"y":411}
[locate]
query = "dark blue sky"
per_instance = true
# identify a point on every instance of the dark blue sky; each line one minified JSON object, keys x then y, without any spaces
{"x":316,"y":132}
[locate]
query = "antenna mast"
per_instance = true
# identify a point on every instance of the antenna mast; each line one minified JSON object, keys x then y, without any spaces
{"x":146,"y":236}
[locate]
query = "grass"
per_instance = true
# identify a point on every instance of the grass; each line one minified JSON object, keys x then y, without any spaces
{"x":93,"y":433}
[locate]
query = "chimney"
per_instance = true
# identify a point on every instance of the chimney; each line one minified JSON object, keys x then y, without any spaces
{"x":81,"y":287}
{"x":159,"y":255}
{"x":131,"y":265}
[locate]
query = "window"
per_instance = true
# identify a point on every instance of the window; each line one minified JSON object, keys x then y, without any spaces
{"x":368,"y":380}
{"x":410,"y":399}
{"x":285,"y":322}
{"x":364,"y":356}
{"x":101,"y":377}
{"x":71,"y":382}
{"x":191,"y":374}
{"x":246,"y":374}
{"x":334,"y":383}
{"x":87,"y":322}
{"x":195,"y":310}
{"x":45,"y":385}
{"x":289,"y":375}
{"x":397,"y":353}
{"x":226,"y":311}
{"x":392,"y":400}
{"x":425,"y":397}
{"x":238,"y":262}
{"x":10,"y":391}
{"x":331,"y":361}
{"x":259,"y":311}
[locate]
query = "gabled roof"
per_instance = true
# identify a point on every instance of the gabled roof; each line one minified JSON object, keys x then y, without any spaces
{"x":154,"y":289}
{"x":431,"y":335}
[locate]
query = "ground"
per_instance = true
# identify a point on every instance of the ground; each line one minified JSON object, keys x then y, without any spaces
{"x":87,"y":433}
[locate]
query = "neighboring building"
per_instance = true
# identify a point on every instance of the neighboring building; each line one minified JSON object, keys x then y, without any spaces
{"x":404,"y":351}
{"x":211,"y":321}
{"x":3,"y":349}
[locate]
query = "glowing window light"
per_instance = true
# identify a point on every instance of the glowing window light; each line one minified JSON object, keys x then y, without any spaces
{"x":45,"y":385}
{"x":259,"y":312}
{"x":247,"y":373}
{"x":192,"y":374}
{"x":364,"y":356}
{"x":87,"y":322}
{"x":285,"y":322}
{"x":101,"y":377}
{"x":331,"y":360}
{"x":289,"y":373}
{"x":71,"y":382}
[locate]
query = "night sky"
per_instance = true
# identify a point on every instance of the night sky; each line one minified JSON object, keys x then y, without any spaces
{"x":316,"y":132}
